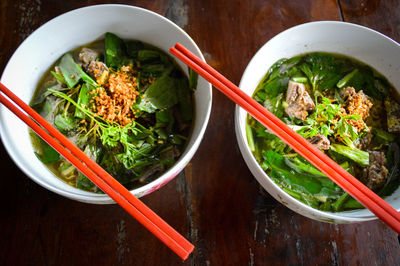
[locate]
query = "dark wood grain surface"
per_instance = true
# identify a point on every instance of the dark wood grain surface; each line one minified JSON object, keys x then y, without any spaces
{"x":216,"y":203}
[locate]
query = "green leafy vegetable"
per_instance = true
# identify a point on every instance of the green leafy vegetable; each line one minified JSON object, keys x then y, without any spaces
{"x":185,"y":99}
{"x":148,"y":55}
{"x":325,"y":121}
{"x":66,"y":169}
{"x":275,"y":105}
{"x":300,"y":79}
{"x":250,"y":139}
{"x":59,"y":77}
{"x":145,"y":105}
{"x":323,"y":70}
{"x":46,"y":154}
{"x":193,"y":78}
{"x":84,"y":183}
{"x":341,"y":83}
{"x":72,"y":72}
{"x":154,"y":70}
{"x":348,"y":134}
{"x":383,"y":136}
{"x":133,"y":48}
{"x":115,"y":50}
{"x":364,"y":80}
{"x":64,"y":123}
{"x":358,"y":156}
{"x":162,"y":93}
{"x":314,"y":190}
{"x":83,"y":100}
{"x":302,"y":167}
{"x":338,"y":205}
{"x":69,"y":70}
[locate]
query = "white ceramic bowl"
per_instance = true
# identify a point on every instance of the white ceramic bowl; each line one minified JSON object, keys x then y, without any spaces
{"x":66,"y":32}
{"x":352,"y":40}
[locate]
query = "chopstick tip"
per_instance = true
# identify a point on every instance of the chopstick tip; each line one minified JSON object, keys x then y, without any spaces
{"x":187,"y":254}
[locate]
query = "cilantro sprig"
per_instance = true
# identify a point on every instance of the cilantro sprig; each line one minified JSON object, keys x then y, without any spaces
{"x":347,"y":133}
{"x":327,"y":121}
{"x":131,"y":137}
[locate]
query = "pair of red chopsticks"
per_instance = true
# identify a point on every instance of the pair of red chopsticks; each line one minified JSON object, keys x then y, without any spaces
{"x":320,"y":160}
{"x":98,"y":175}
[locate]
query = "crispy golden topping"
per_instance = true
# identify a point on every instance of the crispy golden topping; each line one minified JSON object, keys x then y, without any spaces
{"x":113,"y":102}
{"x":357,"y":104}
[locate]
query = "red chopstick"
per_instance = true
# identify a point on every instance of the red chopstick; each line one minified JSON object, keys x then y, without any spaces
{"x":320,"y":160}
{"x":98,"y":175}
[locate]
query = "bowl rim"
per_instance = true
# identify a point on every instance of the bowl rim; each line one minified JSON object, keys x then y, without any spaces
{"x":91,"y":197}
{"x":334,"y":217}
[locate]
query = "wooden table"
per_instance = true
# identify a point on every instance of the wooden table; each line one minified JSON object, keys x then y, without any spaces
{"x":216,"y":203}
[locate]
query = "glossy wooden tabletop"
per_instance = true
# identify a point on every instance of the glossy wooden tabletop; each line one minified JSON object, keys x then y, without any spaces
{"x":216,"y":203}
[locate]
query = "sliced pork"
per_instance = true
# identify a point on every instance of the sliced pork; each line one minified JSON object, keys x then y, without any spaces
{"x":321,"y":142}
{"x":393,"y":115}
{"x":298,"y":100}
{"x":374,"y":176}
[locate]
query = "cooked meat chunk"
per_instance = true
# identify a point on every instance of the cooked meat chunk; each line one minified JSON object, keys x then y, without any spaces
{"x":99,"y":71}
{"x":321,"y":142}
{"x":393,"y":115}
{"x":364,"y":142}
{"x":87,"y":55}
{"x":298,"y":100}
{"x":374,"y":176}
{"x":347,"y":93}
{"x":376,"y":114}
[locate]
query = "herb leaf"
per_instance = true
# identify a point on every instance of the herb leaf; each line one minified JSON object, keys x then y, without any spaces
{"x":162,"y":93}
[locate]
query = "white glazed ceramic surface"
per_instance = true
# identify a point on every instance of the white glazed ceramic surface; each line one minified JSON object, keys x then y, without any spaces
{"x":358,"y":42}
{"x":66,"y":32}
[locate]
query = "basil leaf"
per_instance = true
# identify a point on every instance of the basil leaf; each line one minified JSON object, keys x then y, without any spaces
{"x":46,"y":153}
{"x":162,"y":93}
{"x":115,"y":50}
{"x":69,"y":70}
{"x":64,"y":123}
